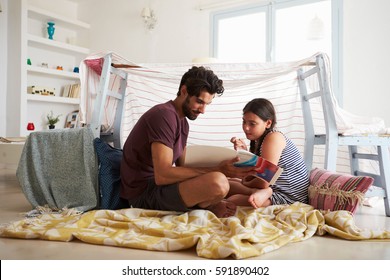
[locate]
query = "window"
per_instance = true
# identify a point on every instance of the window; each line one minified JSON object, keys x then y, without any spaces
{"x":241,"y":36}
{"x":281,"y":30}
{"x":302,"y":30}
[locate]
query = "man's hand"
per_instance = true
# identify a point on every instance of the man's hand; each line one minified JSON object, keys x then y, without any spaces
{"x":227,"y":168}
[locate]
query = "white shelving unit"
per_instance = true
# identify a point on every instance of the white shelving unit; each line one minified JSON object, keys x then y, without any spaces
{"x":53,"y":99}
{"x":46,"y":71}
{"x":46,"y":15}
{"x":62,"y":46}
{"x":67,"y":49}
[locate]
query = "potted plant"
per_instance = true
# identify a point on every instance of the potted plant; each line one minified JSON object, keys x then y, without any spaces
{"x":52,"y":120}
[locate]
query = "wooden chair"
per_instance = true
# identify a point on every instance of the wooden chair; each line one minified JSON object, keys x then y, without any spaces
{"x":109,"y":72}
{"x":332,"y":139}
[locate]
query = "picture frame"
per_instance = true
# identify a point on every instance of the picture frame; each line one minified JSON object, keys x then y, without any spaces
{"x":72,"y":120}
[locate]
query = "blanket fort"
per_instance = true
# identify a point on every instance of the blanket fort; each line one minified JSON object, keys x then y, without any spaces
{"x":251,"y":232}
{"x":150,"y":84}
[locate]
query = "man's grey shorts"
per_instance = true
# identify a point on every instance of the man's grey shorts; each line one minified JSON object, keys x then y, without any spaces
{"x":155,"y":197}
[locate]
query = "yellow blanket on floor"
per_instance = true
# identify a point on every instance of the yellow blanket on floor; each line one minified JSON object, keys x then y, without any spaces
{"x":251,"y":232}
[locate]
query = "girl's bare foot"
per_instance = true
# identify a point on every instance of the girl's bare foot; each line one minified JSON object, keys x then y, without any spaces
{"x":223,"y":209}
{"x":252,"y":201}
{"x":260,"y":198}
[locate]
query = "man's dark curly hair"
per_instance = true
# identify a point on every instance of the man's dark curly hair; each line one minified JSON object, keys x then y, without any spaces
{"x":198,"y":79}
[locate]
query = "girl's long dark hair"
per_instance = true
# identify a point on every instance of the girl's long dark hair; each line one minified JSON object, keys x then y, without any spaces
{"x":264,"y":109}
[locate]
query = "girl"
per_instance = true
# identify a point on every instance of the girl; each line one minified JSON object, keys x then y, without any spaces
{"x":259,"y":120}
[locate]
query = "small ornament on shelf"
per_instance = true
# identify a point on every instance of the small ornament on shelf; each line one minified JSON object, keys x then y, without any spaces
{"x":52,"y":120}
{"x":50,"y":29}
{"x":41,"y":90}
{"x":30,"y":126}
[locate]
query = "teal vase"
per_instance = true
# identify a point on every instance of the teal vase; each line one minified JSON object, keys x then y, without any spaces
{"x":50,"y":29}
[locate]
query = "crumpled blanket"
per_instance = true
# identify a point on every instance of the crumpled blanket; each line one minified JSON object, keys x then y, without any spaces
{"x":250,"y":233}
{"x":59,"y":168}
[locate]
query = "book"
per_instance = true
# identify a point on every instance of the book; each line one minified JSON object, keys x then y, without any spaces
{"x":71,"y":91}
{"x":209,"y":156}
{"x":265,"y":169}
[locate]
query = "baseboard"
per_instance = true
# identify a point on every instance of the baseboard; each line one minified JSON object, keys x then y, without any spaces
{"x":10,"y":155}
{"x":8,"y":166}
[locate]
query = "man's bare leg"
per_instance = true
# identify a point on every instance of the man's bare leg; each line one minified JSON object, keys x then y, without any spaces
{"x":208,"y":192}
{"x":239,"y":199}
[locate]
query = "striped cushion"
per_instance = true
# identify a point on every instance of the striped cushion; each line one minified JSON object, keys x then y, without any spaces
{"x":335,"y":191}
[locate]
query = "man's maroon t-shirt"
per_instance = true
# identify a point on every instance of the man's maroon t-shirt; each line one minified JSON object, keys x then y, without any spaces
{"x":161,"y":124}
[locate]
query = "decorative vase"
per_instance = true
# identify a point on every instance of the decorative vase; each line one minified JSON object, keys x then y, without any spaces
{"x":30,"y":126}
{"x":52,"y":126}
{"x":50,"y":29}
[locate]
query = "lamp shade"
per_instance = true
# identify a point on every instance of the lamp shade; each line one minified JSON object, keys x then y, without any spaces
{"x":146,"y":13}
{"x":315,"y":29}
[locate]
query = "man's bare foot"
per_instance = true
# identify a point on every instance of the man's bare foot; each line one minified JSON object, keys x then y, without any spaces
{"x":223,"y":209}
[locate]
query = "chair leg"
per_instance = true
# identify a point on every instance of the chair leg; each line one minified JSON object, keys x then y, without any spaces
{"x":309,"y":154}
{"x":384,"y":165}
{"x":331,"y":155}
{"x":354,"y":161}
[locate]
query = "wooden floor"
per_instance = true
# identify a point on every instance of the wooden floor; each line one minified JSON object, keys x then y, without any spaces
{"x":13,"y":204}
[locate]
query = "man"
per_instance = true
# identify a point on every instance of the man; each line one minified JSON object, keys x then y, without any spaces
{"x":152,"y":171}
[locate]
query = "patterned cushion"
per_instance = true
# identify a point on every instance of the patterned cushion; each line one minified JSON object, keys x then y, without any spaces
{"x":334,"y":191}
{"x":109,"y":175}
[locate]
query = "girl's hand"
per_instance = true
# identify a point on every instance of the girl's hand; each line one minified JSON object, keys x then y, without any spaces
{"x":238,"y":143}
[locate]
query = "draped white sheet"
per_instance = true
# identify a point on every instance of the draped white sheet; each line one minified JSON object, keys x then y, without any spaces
{"x":151,"y":84}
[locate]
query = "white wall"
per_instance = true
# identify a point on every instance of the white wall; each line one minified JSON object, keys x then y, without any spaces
{"x":182,"y":31}
{"x":3,"y":65}
{"x":366,"y":58}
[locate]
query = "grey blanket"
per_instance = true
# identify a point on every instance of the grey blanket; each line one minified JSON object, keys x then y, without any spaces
{"x":59,"y":168}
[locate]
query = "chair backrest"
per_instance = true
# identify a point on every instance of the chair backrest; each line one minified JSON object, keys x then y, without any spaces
{"x":323,"y":93}
{"x":325,"y":115}
{"x":109,"y":72}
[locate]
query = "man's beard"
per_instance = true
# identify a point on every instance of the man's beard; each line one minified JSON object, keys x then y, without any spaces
{"x":187,"y":111}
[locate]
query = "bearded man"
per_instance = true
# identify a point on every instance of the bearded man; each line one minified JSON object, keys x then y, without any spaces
{"x":153,"y":175}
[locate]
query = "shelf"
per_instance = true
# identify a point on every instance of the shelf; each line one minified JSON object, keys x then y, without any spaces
{"x":69,"y":47}
{"x":54,"y":72}
{"x":53,"y":99}
{"x":45,"y":15}
{"x":56,"y":44}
